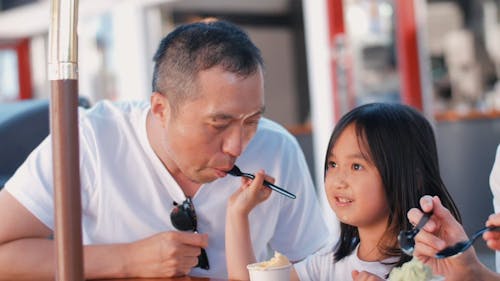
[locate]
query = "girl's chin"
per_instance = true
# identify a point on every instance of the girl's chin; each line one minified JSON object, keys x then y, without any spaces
{"x":343,"y":218}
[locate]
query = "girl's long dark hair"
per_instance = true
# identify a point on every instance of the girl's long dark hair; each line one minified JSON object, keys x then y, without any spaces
{"x":402,"y":146}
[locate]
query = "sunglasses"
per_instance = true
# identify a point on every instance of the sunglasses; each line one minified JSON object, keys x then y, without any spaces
{"x":183,"y":217}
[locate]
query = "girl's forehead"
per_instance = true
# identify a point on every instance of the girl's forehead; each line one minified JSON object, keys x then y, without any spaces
{"x":351,"y":139}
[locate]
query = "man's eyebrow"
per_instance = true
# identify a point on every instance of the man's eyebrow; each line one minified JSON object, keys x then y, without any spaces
{"x":225,"y":116}
{"x":258,"y":112}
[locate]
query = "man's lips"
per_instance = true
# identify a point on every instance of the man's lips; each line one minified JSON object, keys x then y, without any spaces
{"x":222,"y":172}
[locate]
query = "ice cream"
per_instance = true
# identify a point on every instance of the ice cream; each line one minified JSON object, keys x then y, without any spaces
{"x":413,"y":270}
{"x":278,"y":260}
{"x":276,"y":269}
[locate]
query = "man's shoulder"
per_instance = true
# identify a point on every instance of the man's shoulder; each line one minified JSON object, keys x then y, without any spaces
{"x":110,"y":118}
{"x":273,"y":137}
{"x":270,"y":129}
{"x":112,"y":113}
{"x":106,"y":108}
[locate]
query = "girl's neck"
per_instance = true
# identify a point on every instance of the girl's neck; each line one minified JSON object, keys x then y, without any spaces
{"x":369,"y":251}
{"x":369,"y":248}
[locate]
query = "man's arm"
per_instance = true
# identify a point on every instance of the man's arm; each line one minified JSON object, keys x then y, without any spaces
{"x":27,"y":252}
{"x":25,"y":246}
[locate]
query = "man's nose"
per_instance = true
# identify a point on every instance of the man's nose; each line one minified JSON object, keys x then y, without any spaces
{"x":233,"y":142}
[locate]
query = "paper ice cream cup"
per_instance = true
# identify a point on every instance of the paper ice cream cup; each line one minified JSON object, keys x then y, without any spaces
{"x":279,"y":273}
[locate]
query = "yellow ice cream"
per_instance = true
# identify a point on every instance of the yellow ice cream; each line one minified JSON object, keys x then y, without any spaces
{"x":413,"y":270}
{"x":278,"y":260}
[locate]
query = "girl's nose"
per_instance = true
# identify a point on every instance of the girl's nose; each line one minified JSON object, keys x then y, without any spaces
{"x":338,"y":179}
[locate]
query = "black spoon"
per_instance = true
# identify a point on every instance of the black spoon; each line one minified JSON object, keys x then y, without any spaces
{"x":462,"y":246}
{"x":235,"y":171}
{"x":407,"y":238}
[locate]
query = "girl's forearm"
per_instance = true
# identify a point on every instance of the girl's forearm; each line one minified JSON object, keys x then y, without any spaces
{"x":239,"y":251}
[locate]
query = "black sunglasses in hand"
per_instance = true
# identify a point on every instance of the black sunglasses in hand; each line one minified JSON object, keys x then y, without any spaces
{"x":183,"y":217}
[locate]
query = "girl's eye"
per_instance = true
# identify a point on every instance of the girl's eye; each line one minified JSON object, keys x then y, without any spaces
{"x":357,"y":167}
{"x":331,"y":164}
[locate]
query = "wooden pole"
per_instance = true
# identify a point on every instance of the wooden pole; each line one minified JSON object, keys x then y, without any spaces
{"x":64,"y":131}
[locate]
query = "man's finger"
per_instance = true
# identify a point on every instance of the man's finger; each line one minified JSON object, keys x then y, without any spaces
{"x":188,"y":238}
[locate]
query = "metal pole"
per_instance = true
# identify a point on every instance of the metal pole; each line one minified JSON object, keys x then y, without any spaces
{"x":63,"y":75}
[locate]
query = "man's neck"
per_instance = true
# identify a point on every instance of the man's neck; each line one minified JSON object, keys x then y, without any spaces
{"x":188,"y":186}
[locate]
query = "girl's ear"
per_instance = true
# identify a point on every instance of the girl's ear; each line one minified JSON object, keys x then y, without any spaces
{"x":160,"y":107}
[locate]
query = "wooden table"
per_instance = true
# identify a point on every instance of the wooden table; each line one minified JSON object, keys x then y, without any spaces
{"x":185,"y":278}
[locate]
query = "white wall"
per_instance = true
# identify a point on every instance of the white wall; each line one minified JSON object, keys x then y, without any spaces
{"x":320,"y":91}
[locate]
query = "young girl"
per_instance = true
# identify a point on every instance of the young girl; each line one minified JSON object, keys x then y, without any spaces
{"x":381,"y":159}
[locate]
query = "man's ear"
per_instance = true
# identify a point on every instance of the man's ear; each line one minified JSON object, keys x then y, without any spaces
{"x":160,"y":107}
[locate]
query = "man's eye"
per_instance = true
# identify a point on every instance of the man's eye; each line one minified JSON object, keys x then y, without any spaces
{"x":252,"y":122}
{"x":220,"y":126}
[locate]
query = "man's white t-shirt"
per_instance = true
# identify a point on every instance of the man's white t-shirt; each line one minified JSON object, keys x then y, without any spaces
{"x":127,"y":194}
{"x":322,"y":266}
{"x":495,"y":189}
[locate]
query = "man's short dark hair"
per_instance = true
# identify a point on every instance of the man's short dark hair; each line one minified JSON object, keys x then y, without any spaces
{"x":194,"y":47}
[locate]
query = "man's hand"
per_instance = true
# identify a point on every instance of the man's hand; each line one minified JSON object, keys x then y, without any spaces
{"x":167,"y":254}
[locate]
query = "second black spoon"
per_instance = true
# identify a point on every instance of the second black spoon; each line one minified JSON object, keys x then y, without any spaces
{"x":407,"y":238}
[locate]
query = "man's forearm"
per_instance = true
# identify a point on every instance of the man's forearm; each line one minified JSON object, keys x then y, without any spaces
{"x":27,"y":259}
{"x":34,"y":259}
{"x":107,"y":261}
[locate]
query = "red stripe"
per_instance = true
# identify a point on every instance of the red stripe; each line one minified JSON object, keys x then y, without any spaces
{"x":23,"y":61}
{"x":336,"y":27}
{"x":407,"y":50}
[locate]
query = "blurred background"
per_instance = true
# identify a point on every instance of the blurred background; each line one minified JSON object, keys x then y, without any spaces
{"x":322,"y":58}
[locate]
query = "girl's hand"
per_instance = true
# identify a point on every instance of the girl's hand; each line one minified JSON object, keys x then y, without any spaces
{"x":364,"y":276}
{"x":250,"y":194}
{"x":492,"y":238}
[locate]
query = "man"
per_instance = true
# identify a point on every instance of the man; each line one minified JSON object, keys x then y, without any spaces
{"x":136,"y":159}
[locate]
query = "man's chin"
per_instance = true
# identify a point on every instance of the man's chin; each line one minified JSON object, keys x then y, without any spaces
{"x":207,"y":175}
{"x":201,"y":179}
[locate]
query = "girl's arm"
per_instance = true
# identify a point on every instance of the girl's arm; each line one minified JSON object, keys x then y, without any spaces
{"x":239,"y":251}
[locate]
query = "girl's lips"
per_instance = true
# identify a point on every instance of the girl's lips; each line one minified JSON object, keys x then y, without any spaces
{"x":342,"y":201}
